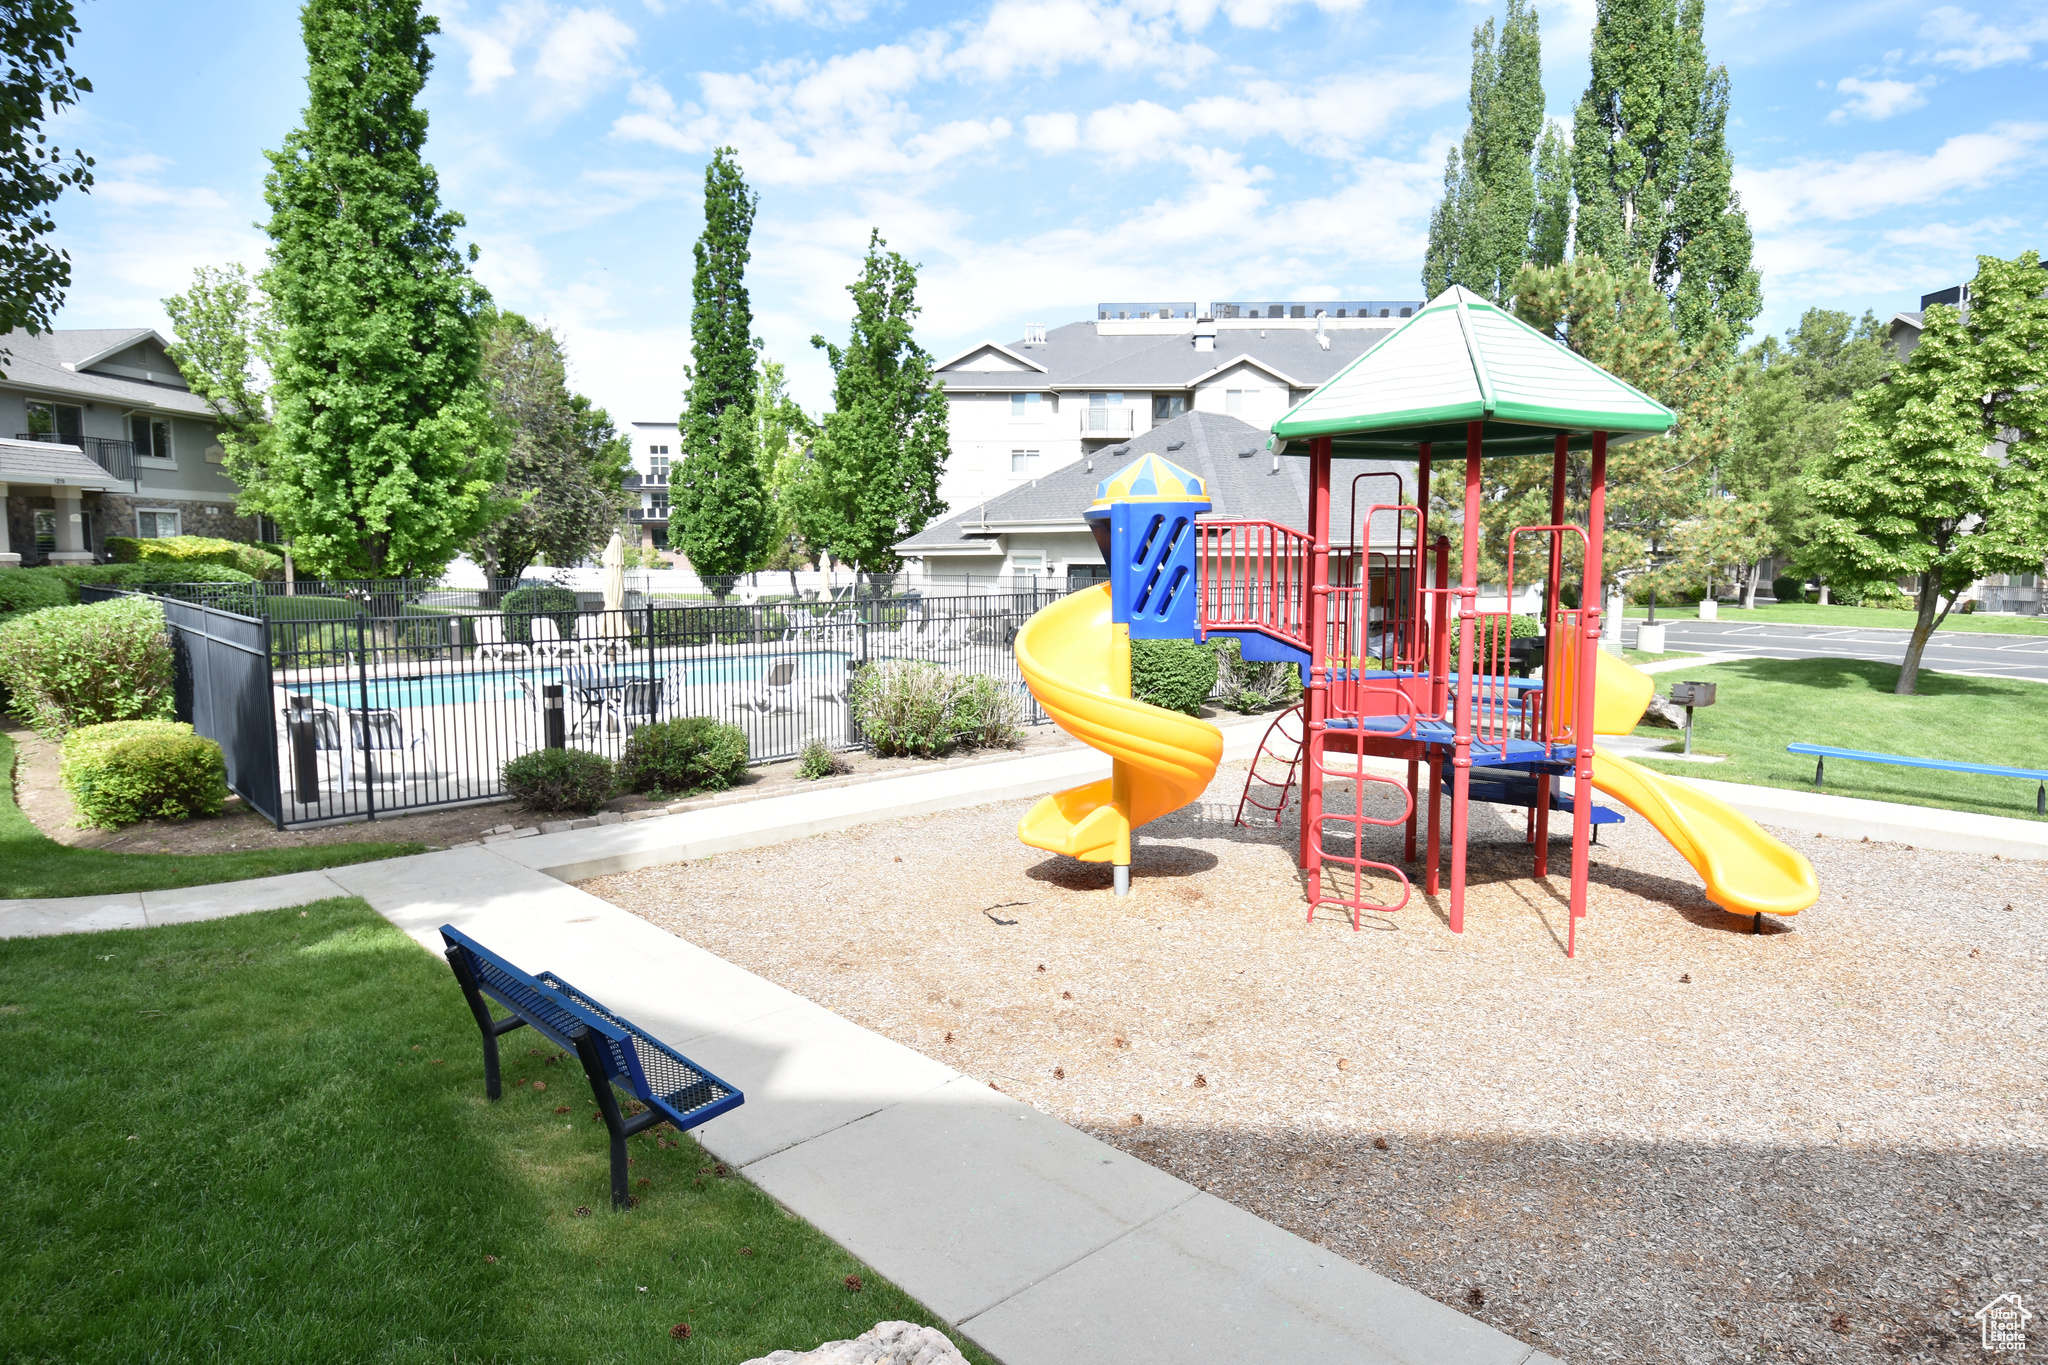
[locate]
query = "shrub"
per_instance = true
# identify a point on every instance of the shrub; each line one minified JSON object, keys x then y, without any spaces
{"x":521,"y":605}
{"x":554,"y":780}
{"x":908,"y":706}
{"x":65,"y":667}
{"x":253,"y":560}
{"x":1252,"y":686}
{"x":719,"y":625}
{"x":688,"y":754}
{"x":1519,"y":628}
{"x":32,"y":590}
{"x":1786,"y":588}
{"x":819,"y":761}
{"x":1175,"y":674}
{"x":132,"y":770}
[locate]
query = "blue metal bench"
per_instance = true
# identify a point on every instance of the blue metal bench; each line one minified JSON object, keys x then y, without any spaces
{"x":614,"y":1051}
{"x":1821,"y":753}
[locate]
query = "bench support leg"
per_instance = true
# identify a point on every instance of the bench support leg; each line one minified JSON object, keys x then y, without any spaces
{"x":616,"y":1124}
{"x":486,"y":1025}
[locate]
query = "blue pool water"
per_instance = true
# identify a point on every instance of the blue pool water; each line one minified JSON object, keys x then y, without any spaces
{"x":460,"y":689}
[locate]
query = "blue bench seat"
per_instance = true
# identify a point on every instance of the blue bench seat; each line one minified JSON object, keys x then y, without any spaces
{"x":1821,"y":753}
{"x":614,"y":1050}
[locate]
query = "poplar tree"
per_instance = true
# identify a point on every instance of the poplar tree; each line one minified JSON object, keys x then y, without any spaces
{"x":36,"y":83}
{"x":385,"y":449}
{"x":1480,"y":233}
{"x":718,"y":500}
{"x":1942,"y":472}
{"x":884,"y":444}
{"x":1651,"y":167}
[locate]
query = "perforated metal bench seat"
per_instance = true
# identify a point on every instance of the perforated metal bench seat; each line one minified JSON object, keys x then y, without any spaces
{"x":614,"y":1050}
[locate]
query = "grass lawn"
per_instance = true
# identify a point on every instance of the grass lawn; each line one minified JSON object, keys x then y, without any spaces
{"x":34,"y":866}
{"x":266,"y":1139}
{"x":1764,"y":704}
{"x":1637,"y":656}
{"x":1792,"y":615}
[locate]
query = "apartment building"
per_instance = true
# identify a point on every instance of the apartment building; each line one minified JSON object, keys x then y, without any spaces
{"x":655,"y":449}
{"x":1022,"y":409}
{"x":100,"y":436}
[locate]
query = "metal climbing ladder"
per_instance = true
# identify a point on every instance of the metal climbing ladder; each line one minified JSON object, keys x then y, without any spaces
{"x":1287,"y":750}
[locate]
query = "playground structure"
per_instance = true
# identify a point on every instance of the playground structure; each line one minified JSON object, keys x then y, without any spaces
{"x":1366,"y":609}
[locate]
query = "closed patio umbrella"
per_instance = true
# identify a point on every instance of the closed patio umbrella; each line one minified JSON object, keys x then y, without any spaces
{"x":615,"y":574}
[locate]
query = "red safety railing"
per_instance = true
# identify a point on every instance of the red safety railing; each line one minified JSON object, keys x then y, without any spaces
{"x":1555,"y":709}
{"x":1254,"y":576}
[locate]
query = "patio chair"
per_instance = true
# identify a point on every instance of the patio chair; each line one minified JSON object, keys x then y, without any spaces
{"x":328,"y":748}
{"x":491,"y":642}
{"x":381,"y":731}
{"x":596,"y":637}
{"x":777,"y":694}
{"x":638,"y":704}
{"x":547,"y":638}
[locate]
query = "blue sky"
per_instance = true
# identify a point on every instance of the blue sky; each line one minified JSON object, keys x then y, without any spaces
{"x":1034,"y":155}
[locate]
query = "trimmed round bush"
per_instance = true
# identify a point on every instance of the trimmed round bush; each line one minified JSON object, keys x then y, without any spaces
{"x":132,"y":770}
{"x":1788,"y":589}
{"x":521,"y":605}
{"x":66,"y":667}
{"x":1175,"y":674}
{"x":688,"y":754}
{"x":556,"y":780}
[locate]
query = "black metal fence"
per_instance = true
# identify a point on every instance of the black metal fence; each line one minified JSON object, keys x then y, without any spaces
{"x":338,"y":711}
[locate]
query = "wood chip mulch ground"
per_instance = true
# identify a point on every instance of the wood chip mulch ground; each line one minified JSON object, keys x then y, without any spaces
{"x":1690,"y":1144}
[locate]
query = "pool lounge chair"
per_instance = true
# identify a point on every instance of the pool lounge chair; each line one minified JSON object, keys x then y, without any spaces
{"x":547,"y":638}
{"x":491,"y":642}
{"x":777,"y":693}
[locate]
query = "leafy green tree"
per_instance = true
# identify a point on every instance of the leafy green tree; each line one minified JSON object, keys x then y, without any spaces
{"x":224,"y":338}
{"x":1651,"y":167}
{"x":1795,"y":393}
{"x":566,"y":467}
{"x":720,"y":516}
{"x":884,"y":443}
{"x":1941,"y":472}
{"x":386,"y":448}
{"x":1725,"y":541}
{"x":784,"y":435}
{"x":1479,"y":234}
{"x":35,"y":84}
{"x":1550,"y":232}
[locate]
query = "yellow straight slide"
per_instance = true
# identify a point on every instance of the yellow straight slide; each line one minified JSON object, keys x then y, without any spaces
{"x":1067,"y":654}
{"x":1745,"y":869}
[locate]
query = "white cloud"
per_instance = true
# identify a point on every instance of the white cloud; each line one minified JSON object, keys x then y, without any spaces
{"x":1043,"y":36}
{"x":833,"y":12}
{"x":1879,"y":99}
{"x":1787,"y":197}
{"x":1974,"y":44}
{"x":1052,"y":132}
{"x":572,"y":53}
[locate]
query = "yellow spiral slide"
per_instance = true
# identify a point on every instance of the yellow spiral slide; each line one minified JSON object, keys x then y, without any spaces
{"x":1745,"y":869}
{"x":1070,"y":656}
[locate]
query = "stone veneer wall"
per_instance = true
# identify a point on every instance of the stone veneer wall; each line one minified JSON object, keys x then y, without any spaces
{"x":113,"y":514}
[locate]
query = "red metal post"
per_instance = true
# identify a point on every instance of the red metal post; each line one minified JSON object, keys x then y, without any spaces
{"x":1421,"y":529}
{"x":1468,"y":678}
{"x":1317,"y":715}
{"x":1559,"y":470}
{"x":1408,"y":855}
{"x":1582,"y":719}
{"x":1439,"y":689}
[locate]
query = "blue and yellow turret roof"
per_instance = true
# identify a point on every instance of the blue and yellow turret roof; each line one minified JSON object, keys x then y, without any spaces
{"x":1151,"y":479}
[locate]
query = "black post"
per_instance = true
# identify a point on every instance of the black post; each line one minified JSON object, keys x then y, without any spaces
{"x":302,"y":730}
{"x":554,"y":723}
{"x":363,"y":686}
{"x":1820,"y":767}
{"x":588,"y":1051}
{"x":489,"y":1027}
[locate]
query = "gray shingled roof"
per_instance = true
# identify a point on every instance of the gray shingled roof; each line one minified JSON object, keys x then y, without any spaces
{"x":41,"y":462}
{"x":1077,"y":357}
{"x":1228,"y":454}
{"x":37,"y":363}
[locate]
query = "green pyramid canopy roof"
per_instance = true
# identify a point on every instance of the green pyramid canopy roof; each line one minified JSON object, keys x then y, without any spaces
{"x":1462,"y":359}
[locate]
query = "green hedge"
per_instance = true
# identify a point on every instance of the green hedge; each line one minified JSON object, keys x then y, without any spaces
{"x":521,"y":605}
{"x":253,"y":560}
{"x":66,"y":667}
{"x":556,"y":780}
{"x":1175,"y":674}
{"x":719,"y":625}
{"x":33,"y":590}
{"x":142,"y":769}
{"x":677,"y":757}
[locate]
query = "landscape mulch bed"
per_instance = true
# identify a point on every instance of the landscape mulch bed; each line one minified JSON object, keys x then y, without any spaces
{"x":1691,"y":1143}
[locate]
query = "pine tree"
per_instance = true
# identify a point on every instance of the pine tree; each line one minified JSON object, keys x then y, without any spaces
{"x":718,"y":501}
{"x":884,"y":443}
{"x":1651,"y":167}
{"x":385,"y":446}
{"x":1479,"y":234}
{"x":1942,"y":472}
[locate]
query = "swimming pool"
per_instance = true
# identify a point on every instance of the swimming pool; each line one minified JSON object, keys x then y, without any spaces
{"x":493,"y":685}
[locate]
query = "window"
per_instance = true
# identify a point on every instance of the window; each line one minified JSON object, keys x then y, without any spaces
{"x":657,"y":450}
{"x":1105,"y":400}
{"x":1027,"y":407}
{"x":657,"y":466}
{"x":1027,"y":564}
{"x":1023,"y":462}
{"x":152,"y":437}
{"x":1235,"y":400}
{"x":1273,"y":310}
{"x":56,"y":422}
{"x":156,"y":525}
{"x":46,"y":531}
{"x":1167,"y":406}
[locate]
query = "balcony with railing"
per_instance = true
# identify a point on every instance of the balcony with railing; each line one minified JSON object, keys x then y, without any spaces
{"x":116,"y":457}
{"x":1107,"y":421}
